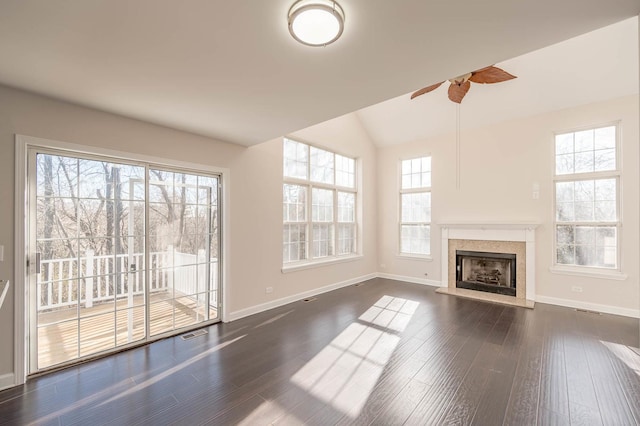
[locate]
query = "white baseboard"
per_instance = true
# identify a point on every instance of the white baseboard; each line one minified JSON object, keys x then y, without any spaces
{"x":423,"y":281}
{"x":7,"y":381}
{"x":293,"y":298}
{"x":605,"y":309}
{"x":633,"y":313}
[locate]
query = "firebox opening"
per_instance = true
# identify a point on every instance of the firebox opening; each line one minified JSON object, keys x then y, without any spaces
{"x":484,"y":271}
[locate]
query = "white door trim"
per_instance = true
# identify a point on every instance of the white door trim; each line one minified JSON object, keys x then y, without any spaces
{"x":20,"y":266}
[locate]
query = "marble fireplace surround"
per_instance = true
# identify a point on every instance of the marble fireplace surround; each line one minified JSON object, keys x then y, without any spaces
{"x":518,"y":238}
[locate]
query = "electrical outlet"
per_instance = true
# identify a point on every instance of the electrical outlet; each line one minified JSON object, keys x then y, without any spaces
{"x":268,"y":290}
{"x":576,"y":289}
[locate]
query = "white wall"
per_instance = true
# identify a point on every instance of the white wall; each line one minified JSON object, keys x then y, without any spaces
{"x":256,"y":241}
{"x":500,"y":164}
{"x":254,"y":244}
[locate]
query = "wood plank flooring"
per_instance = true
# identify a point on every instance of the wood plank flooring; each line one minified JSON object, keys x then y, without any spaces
{"x":382,"y":353}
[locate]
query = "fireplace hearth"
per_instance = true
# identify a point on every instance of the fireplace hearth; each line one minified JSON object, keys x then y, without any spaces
{"x":485,"y":271}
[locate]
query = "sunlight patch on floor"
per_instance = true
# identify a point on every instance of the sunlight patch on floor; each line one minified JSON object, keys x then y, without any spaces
{"x":266,"y":410}
{"x":344,"y":373}
{"x":273,"y":319}
{"x":389,"y":312}
{"x":624,"y":354}
{"x":172,"y":370}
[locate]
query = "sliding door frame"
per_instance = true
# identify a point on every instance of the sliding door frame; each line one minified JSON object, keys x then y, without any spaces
{"x":23,"y":144}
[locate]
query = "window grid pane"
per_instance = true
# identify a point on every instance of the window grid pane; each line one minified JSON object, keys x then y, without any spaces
{"x":586,"y":151}
{"x":416,"y":207}
{"x":587,"y":201}
{"x":587,"y":245}
{"x":294,"y":208}
{"x":345,"y":171}
{"x":322,"y":205}
{"x":296,"y":159}
{"x":322,"y":166}
{"x":322,"y":240}
{"x":294,"y":243}
{"x":346,"y":238}
{"x":416,"y":173}
{"x":415,"y":239}
{"x":346,"y":207}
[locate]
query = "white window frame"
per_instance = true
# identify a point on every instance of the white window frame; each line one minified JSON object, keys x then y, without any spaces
{"x":310,"y":185}
{"x":401,"y":192}
{"x":590,"y":270}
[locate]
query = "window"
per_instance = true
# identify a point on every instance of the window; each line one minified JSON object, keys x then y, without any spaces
{"x":587,"y":205}
{"x":415,"y":206}
{"x":319,"y":204}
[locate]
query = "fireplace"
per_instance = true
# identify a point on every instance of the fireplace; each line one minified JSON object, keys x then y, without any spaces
{"x":485,"y":271}
{"x":514,"y":238}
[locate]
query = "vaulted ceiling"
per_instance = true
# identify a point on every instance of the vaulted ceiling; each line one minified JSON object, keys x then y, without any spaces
{"x":593,"y":67}
{"x":230,"y":69}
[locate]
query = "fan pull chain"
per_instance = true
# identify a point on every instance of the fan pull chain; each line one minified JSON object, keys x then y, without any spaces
{"x":458,"y":146}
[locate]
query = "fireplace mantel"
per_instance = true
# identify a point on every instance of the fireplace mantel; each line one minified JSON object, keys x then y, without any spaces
{"x":504,"y":231}
{"x":490,"y":225}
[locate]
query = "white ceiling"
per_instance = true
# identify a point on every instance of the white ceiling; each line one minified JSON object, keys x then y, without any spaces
{"x":596,"y":66}
{"x":230,"y":70}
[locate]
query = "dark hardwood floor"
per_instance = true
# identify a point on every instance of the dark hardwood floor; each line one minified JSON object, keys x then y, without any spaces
{"x":384,"y":353}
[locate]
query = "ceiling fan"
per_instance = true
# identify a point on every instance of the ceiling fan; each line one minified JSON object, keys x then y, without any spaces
{"x":461,"y":85}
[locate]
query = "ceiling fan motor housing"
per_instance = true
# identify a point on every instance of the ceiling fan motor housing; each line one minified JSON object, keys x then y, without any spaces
{"x":460,"y":80}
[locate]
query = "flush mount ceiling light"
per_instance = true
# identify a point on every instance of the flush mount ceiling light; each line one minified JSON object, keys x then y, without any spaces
{"x":316,"y":22}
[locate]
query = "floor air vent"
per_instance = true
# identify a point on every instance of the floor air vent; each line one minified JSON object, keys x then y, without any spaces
{"x":193,"y":334}
{"x":309,"y":299}
{"x":586,"y":311}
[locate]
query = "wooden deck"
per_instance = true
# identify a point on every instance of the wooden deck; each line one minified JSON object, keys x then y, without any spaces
{"x":63,"y":337}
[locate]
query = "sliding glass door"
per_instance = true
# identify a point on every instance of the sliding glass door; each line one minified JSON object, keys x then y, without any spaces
{"x":120,"y":253}
{"x":183,"y":249}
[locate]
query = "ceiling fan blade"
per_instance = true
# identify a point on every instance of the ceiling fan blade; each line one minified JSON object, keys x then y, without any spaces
{"x":426,"y":90}
{"x":490,"y":75}
{"x":457,"y":92}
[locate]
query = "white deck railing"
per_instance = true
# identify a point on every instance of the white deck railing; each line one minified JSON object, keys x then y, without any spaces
{"x":101,"y":278}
